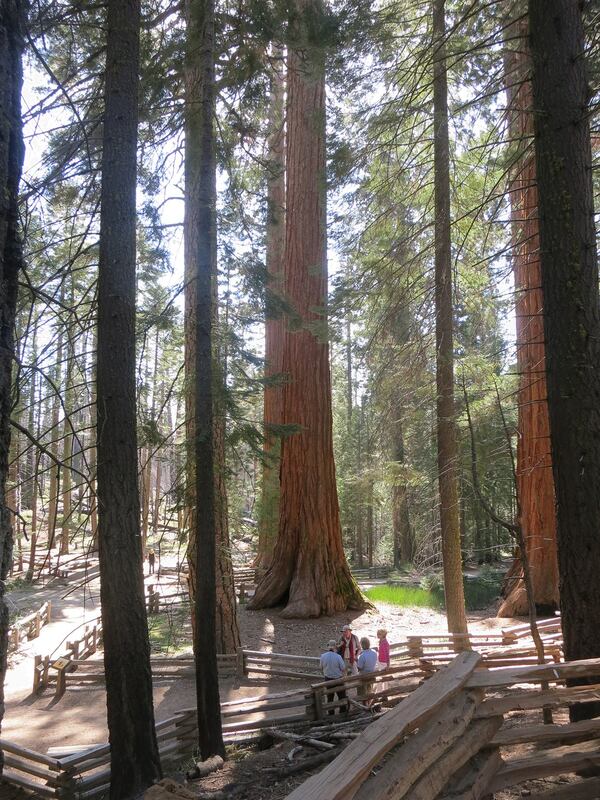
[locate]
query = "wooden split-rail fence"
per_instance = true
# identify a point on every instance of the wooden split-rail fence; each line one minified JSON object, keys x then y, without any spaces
{"x":80,"y":773}
{"x":30,"y":627}
{"x":452,"y":735}
{"x":452,"y":738}
{"x":53,"y":669}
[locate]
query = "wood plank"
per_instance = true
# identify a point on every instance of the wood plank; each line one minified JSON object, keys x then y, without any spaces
{"x":550,"y":762}
{"x":421,"y":750}
{"x":522,"y":701}
{"x":477,"y":735}
{"x":520,"y":734}
{"x":489,"y":679}
{"x":30,"y":768}
{"x":343,"y":777}
{"x":582,"y":790}
{"x":24,"y":752}
{"x":15,"y":779}
{"x":471,"y":782}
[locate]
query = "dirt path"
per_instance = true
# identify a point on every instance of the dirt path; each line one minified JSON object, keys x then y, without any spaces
{"x":80,"y":716}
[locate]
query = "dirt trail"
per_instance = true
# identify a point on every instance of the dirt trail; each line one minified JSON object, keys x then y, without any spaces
{"x":80,"y":716}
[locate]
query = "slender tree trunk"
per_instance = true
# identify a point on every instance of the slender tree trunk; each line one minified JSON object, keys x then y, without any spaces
{"x":569,"y":269}
{"x":55,"y":471}
{"x":135,"y":762}
{"x":12,"y":16}
{"x":446,"y":423}
{"x":274,"y":327}
{"x":535,"y":483}
{"x":34,"y":522}
{"x":200,"y":265}
{"x":67,"y":443}
{"x":403,"y":547}
{"x":309,"y":571}
{"x":200,"y":231}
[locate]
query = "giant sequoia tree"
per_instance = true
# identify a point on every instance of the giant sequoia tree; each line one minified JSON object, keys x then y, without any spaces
{"x":535,"y":484}
{"x":309,"y":572}
{"x":12,"y":20}
{"x":569,"y":270}
{"x":135,"y":762}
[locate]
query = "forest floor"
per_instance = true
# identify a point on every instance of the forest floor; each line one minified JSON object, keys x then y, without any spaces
{"x":79,"y":718}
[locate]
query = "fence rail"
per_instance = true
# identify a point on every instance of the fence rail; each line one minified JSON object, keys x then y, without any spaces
{"x":30,"y":627}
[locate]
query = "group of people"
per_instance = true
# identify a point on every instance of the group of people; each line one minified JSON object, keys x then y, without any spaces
{"x":351,"y":656}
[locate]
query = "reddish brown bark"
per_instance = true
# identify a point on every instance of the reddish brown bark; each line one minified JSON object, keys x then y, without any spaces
{"x":535,"y":483}
{"x":274,"y":327}
{"x":309,"y":572}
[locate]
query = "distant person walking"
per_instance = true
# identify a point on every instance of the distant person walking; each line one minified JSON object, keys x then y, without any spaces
{"x":333,"y":667}
{"x":151,"y":559}
{"x":349,"y":649}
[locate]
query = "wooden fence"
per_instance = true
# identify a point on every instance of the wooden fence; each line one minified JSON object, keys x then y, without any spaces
{"x":29,"y":627}
{"x":49,"y":670}
{"x":85,"y":773}
{"x":453,"y":738}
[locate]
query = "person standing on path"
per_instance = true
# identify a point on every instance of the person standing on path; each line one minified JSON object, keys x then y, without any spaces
{"x":333,"y":667}
{"x":367,"y":661}
{"x":349,"y":649}
{"x":383,"y":654}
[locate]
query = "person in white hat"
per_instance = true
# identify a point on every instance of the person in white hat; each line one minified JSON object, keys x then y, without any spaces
{"x":349,"y":649}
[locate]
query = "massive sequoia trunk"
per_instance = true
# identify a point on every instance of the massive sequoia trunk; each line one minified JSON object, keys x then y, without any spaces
{"x":446,"y":423}
{"x":274,"y":329}
{"x":200,"y":264}
{"x":200,"y":244}
{"x":12,"y":13}
{"x":535,"y":483}
{"x":135,"y":763}
{"x":309,"y":572}
{"x":569,"y":270}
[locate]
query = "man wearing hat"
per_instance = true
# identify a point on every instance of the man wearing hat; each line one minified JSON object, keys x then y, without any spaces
{"x":332,"y":667}
{"x":349,"y":649}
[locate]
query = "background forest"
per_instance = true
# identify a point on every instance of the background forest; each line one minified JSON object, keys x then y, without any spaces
{"x":280,"y":293}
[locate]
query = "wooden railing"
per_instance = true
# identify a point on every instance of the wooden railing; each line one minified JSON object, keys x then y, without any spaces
{"x":52,"y":669}
{"x":456,"y":741}
{"x":29,"y":627}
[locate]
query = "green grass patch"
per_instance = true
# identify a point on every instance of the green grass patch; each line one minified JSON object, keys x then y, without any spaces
{"x":405,"y":596}
{"x":170,"y":632}
{"x":480,"y":592}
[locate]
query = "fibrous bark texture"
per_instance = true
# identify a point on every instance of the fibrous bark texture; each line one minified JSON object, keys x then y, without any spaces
{"x":199,"y":232}
{"x":200,"y":262}
{"x":569,"y":270}
{"x":274,"y":327}
{"x":535,"y":482}
{"x":446,"y":423}
{"x":309,"y":572}
{"x":135,"y":763}
{"x":12,"y":17}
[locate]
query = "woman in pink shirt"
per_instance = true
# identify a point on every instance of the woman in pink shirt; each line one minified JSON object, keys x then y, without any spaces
{"x":383,"y":655}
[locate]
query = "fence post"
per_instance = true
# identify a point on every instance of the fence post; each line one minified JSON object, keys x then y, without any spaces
{"x":37,"y":663}
{"x":241,"y":663}
{"x":61,"y":682}
{"x":48,"y":612}
{"x":318,"y":694}
{"x":415,"y":646}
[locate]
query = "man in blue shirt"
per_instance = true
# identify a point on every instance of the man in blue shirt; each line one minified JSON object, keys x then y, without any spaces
{"x":367,"y":661}
{"x":333,"y":667}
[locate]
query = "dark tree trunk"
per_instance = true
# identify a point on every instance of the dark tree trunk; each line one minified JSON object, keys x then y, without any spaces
{"x":274,"y":328}
{"x":535,"y":484}
{"x":569,"y":269}
{"x":12,"y":20}
{"x":200,"y":258}
{"x":403,"y":544}
{"x":446,"y":424}
{"x":135,"y":762}
{"x":309,"y":572}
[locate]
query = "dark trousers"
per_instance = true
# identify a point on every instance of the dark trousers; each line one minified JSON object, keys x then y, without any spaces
{"x":341,"y":695}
